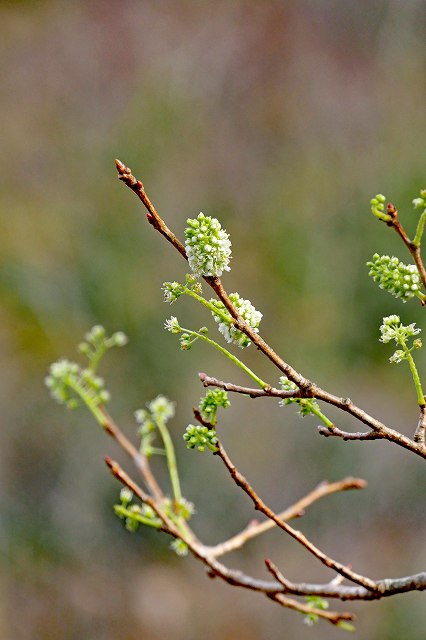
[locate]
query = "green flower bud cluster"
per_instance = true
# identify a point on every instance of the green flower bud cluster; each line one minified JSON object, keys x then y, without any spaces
{"x":134,"y":514}
{"x":72,"y":386}
{"x":200,"y":437}
{"x":314,"y":602}
{"x":226,"y":327}
{"x":97,"y":344}
{"x":179,"y":547}
{"x":401,"y":280}
{"x":307,"y":406}
{"x":208,"y":246}
{"x":210,"y":403}
{"x":181,"y":508}
{"x":159,"y":409}
{"x":378,"y":208}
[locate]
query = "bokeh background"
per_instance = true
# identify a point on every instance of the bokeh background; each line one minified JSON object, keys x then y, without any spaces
{"x":282,"y":119}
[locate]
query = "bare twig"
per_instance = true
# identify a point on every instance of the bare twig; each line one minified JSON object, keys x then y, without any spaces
{"x":140,"y":461}
{"x":348,"y":435}
{"x":296,"y":510}
{"x":334,"y":617}
{"x":419,"y":436}
{"x":412,"y":248}
{"x":242,"y":482}
{"x":209,"y":381}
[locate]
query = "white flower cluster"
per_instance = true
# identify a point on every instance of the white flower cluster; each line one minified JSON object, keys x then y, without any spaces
{"x":246,"y":311}
{"x":208,"y":246}
{"x":392,"y":329}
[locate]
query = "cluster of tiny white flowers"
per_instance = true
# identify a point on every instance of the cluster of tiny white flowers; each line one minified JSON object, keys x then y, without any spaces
{"x":401,"y":280}
{"x":172,"y":325}
{"x":392,"y":329}
{"x":207,"y":245}
{"x":162,"y":408}
{"x":246,"y":310}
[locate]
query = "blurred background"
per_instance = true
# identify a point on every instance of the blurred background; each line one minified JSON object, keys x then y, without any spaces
{"x":282,"y":119}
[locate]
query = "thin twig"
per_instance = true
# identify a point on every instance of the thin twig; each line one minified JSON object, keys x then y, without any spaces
{"x":242,"y":482}
{"x":420,"y":433}
{"x":294,"y":511}
{"x":334,"y":617}
{"x":411,"y":246}
{"x":140,"y":461}
{"x":209,"y":381}
{"x":348,"y":435}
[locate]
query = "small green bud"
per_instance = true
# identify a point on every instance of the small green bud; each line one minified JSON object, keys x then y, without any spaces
{"x":420,"y":203}
{"x":96,"y":334}
{"x":179,"y":547}
{"x":126,"y":496}
{"x":119,"y":339}
{"x":161,"y":408}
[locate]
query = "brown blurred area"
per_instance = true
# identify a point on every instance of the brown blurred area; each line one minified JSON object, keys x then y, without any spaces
{"x":282,"y":119}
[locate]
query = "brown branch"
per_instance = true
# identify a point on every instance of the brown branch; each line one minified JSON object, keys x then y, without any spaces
{"x":242,"y":482}
{"x":307,"y":387}
{"x":209,"y":381}
{"x":140,"y":461}
{"x":334,"y":617}
{"x":380,"y":431}
{"x":412,"y":248}
{"x":385,"y":588}
{"x":124,"y":478}
{"x":420,"y":433}
{"x":348,"y":435}
{"x":235,"y":577}
{"x":294,"y":511}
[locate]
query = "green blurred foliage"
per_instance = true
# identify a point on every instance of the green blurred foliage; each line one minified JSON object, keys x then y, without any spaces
{"x":282,"y":119}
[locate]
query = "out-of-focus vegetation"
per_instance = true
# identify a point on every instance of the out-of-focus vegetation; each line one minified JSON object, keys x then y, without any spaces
{"x":282,"y":119}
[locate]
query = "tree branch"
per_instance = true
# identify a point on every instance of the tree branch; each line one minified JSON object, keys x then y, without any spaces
{"x":294,"y":511}
{"x":308,"y":388}
{"x":242,"y":482}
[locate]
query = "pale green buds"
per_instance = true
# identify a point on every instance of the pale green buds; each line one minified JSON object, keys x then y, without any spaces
{"x":71,"y":385}
{"x":200,"y":437}
{"x":161,"y":408}
{"x":208,"y":247}
{"x":247,"y":312}
{"x":210,"y":403}
{"x":307,"y":406}
{"x":179,"y":547}
{"x":420,"y":203}
{"x":378,"y":209}
{"x":401,"y":280}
